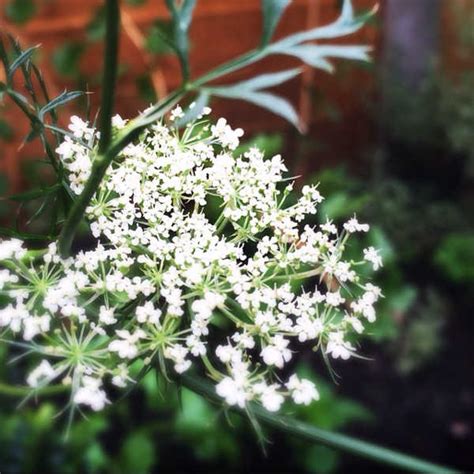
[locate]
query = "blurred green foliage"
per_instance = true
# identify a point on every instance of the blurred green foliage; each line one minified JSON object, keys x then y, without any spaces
{"x":95,"y":30}
{"x":6,"y":131}
{"x":66,"y":58}
{"x":20,"y":11}
{"x":160,"y":37}
{"x":455,"y":257}
{"x":145,"y":89}
{"x":142,"y":432}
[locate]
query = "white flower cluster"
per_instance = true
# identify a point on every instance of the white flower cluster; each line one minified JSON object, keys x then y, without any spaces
{"x":199,"y":261}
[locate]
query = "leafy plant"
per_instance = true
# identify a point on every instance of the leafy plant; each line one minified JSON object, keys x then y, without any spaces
{"x":113,"y":140}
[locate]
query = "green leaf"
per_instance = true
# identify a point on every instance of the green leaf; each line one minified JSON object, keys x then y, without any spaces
{"x":271,"y":102}
{"x":20,"y":60}
{"x":23,"y":104}
{"x":160,"y":38}
{"x":356,"y":52}
{"x":272,"y":11}
{"x":20,"y":11}
{"x":61,"y":99}
{"x":23,"y":235}
{"x":260,"y":82}
{"x":185,"y":14}
{"x":339,"y":205}
{"x":34,"y":193}
{"x":346,"y":24}
{"x":314,"y":55}
{"x":85,"y":430}
{"x":316,"y":435}
{"x":17,"y":96}
{"x":182,"y":17}
{"x":347,"y":13}
{"x":135,"y":3}
{"x":308,"y":53}
{"x":66,"y":58}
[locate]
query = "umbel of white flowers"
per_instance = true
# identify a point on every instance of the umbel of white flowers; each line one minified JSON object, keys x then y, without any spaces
{"x":199,"y":261}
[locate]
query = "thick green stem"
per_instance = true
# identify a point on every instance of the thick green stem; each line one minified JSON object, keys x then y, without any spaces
{"x":105,"y":152}
{"x":101,"y":163}
{"x":78,"y":209}
{"x":109,"y":79}
{"x":16,"y":391}
{"x":311,"y":433}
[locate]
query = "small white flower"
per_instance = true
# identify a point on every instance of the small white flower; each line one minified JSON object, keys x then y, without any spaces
{"x":106,"y":315}
{"x":176,"y":113}
{"x":303,"y":391}
{"x":41,"y":375}
{"x":337,"y":347}
{"x":178,"y":353}
{"x":148,"y":314}
{"x":228,"y":138}
{"x":233,"y":392}
{"x":90,"y":393}
{"x":355,"y":323}
{"x":353,"y":225}
{"x":118,"y":122}
{"x":126,"y":346}
{"x":121,"y":376}
{"x":80,"y":128}
{"x":276,"y":354}
{"x":11,"y":248}
{"x":372,"y":256}
{"x":271,"y":399}
{"x":334,"y":298}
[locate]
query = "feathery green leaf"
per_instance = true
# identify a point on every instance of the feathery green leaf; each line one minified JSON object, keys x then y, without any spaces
{"x":272,"y":11}
{"x":23,"y":58}
{"x":61,"y":99}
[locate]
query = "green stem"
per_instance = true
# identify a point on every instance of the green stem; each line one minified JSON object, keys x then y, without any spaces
{"x":109,"y":79}
{"x":105,"y":152}
{"x":311,"y":433}
{"x":228,"y":67}
{"x":78,"y":209}
{"x":296,"y":276}
{"x":23,"y":391}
